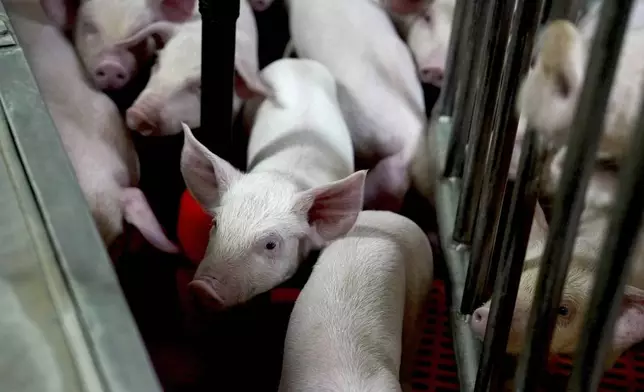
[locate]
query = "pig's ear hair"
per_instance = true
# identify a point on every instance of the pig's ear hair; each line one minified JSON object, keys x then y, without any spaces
{"x":332,"y":209}
{"x":161,"y":32}
{"x":405,"y":6}
{"x":206,"y":175}
{"x":629,"y":327}
{"x":62,"y":13}
{"x":174,"y":10}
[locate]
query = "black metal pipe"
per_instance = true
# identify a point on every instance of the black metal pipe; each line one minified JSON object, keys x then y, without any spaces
{"x":449,"y":96}
{"x":567,"y":9}
{"x":499,"y":114}
{"x":479,"y":89}
{"x":569,"y":201}
{"x":615,"y":264}
{"x":219,"y":20}
{"x":513,"y":250}
{"x":469,"y":79}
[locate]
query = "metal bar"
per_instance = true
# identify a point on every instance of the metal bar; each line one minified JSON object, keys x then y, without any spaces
{"x":567,"y":9}
{"x":447,"y":97}
{"x":490,"y":57}
{"x":451,"y":95}
{"x":219,"y":20}
{"x":582,"y":146}
{"x":515,"y":243}
{"x":615,"y":264}
{"x":466,"y":346}
{"x":469,"y":77}
{"x":488,"y":131}
{"x":499,"y":115}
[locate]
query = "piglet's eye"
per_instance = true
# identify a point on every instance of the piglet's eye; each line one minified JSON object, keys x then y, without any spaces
{"x":563,"y":311}
{"x":428,"y":17}
{"x":270,"y":245}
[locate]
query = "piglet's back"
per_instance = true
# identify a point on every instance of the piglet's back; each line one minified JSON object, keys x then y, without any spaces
{"x":345,"y":330}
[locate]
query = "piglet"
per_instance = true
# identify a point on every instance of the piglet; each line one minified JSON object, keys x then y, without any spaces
{"x":300,"y":191}
{"x":173,"y":93}
{"x":579,"y":282}
{"x":378,"y":90}
{"x":427,"y":33}
{"x":98,"y":25}
{"x":549,"y":93}
{"x":91,"y":129}
{"x":357,"y":322}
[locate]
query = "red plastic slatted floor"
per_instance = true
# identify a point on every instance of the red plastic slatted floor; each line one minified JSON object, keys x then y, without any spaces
{"x":435,"y":363}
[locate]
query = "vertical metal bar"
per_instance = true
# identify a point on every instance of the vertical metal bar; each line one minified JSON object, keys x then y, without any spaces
{"x":219,"y":20}
{"x":479,"y":90}
{"x":451,"y":94}
{"x":615,"y":264}
{"x":515,"y":242}
{"x":582,"y":146}
{"x":499,"y":115}
{"x":447,"y":97}
{"x":469,"y":78}
{"x":566,"y":9}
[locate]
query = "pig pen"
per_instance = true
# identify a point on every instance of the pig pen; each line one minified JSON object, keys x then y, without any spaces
{"x":241,"y":349}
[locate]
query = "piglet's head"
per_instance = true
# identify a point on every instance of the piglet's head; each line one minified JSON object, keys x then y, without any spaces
{"x":264,"y":225}
{"x":428,"y":38}
{"x":548,"y":94}
{"x":98,"y":25}
{"x":173,"y":92}
{"x":572,"y":310}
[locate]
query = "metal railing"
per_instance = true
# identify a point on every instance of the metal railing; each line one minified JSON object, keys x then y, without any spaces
{"x":485,"y":236}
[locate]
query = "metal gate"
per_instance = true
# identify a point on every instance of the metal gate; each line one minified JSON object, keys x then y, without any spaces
{"x":485,"y":234}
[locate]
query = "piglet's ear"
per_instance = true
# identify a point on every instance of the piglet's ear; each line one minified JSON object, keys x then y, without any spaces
{"x":175,"y":10}
{"x":332,"y":209}
{"x":161,"y":32}
{"x":206,"y":175}
{"x":241,"y":88}
{"x":629,"y":327}
{"x":560,"y":56}
{"x":62,"y":13}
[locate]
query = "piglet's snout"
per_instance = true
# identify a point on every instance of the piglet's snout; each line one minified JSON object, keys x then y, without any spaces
{"x":432,"y":75}
{"x":140,"y":120}
{"x":113,"y":71}
{"x":204,"y":291}
{"x":479,"y":321}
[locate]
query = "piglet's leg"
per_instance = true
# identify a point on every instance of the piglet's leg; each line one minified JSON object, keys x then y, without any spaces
{"x":138,"y":213}
{"x":386,"y":185}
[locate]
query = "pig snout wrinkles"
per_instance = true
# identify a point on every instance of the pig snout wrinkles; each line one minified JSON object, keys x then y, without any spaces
{"x":114,"y":70}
